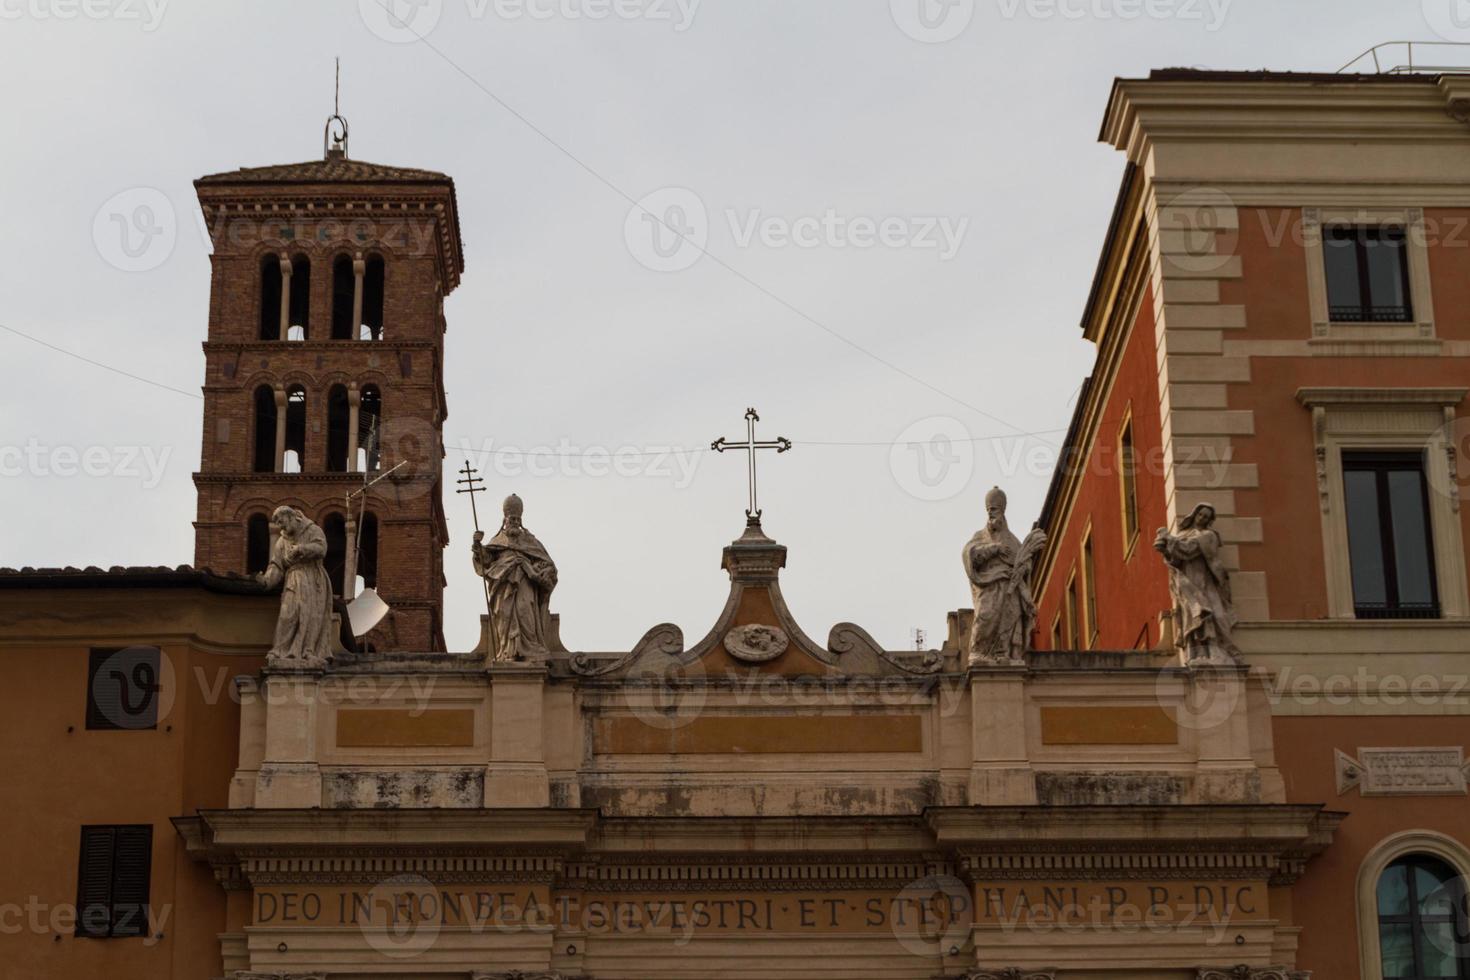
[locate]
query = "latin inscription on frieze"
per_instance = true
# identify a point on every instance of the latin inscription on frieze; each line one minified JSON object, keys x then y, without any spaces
{"x":937,"y":906}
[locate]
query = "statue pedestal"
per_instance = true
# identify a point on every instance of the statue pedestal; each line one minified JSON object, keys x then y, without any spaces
{"x":1001,"y":774}
{"x":516,"y":774}
{"x":289,"y":777}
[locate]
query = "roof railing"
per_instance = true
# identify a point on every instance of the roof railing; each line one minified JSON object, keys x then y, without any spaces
{"x":1404,"y":58}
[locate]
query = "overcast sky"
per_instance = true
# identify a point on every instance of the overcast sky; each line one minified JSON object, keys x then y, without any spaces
{"x":902,"y":202}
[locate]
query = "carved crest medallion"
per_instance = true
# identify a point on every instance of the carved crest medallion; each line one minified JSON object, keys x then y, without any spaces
{"x":755,"y":643}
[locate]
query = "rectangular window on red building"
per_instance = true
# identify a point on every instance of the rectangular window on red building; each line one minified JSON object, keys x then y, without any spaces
{"x":1367,"y":274}
{"x":1389,"y":542}
{"x":1128,"y":485}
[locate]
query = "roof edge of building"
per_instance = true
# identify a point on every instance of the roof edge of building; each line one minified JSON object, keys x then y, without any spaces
{"x":131,"y":577}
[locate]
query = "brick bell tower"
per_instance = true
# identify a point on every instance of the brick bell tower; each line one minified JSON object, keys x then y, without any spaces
{"x":324,"y":374}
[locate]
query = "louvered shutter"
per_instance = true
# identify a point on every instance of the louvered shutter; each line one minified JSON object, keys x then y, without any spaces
{"x":132,"y":854}
{"x":94,"y":882}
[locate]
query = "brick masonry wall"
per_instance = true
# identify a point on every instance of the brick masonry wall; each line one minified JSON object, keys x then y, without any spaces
{"x":405,"y":227}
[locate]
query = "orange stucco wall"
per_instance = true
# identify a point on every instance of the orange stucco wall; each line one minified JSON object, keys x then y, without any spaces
{"x":63,"y":777}
{"x":1132,"y":587}
{"x":1325,"y":897}
{"x":1273,"y":290}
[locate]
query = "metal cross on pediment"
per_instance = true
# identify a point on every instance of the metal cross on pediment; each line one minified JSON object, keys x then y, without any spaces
{"x":781,"y":444}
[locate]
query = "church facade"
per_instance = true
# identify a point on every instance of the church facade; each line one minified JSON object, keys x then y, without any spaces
{"x":1102,"y":773}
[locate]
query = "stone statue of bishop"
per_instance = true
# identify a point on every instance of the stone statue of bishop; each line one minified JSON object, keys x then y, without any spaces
{"x":519,"y":576}
{"x":999,"y":568}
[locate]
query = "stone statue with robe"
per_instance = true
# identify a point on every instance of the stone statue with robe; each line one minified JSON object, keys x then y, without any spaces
{"x":519,"y":576}
{"x":1204,"y":616}
{"x":999,"y":567}
{"x":304,"y":627}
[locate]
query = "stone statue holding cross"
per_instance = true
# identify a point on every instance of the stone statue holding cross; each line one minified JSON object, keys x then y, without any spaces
{"x":519,"y":576}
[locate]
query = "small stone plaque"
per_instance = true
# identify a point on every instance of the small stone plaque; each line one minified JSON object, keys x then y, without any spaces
{"x":1417,"y":771}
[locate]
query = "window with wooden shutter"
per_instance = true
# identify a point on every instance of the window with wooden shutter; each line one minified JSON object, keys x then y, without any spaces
{"x":122,"y":689}
{"x":112,"y":881}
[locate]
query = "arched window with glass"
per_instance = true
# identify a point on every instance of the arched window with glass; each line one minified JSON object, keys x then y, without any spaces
{"x":1422,"y":920}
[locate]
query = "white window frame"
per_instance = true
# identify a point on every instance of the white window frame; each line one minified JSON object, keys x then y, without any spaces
{"x":1411,"y":220}
{"x":1389,"y":419}
{"x":1389,"y":850}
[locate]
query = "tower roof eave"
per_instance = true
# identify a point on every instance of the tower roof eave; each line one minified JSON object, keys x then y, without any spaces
{"x":341,"y":170}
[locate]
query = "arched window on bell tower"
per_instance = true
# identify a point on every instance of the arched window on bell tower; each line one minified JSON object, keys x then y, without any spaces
{"x":257,"y":543}
{"x":334,"y":527}
{"x":265,"y":430}
{"x":339,"y":428}
{"x":344,"y":290}
{"x":371,"y":327}
{"x":270,"y":297}
{"x":370,"y":424}
{"x":367,"y":554}
{"x":298,"y":323}
{"x":295,"y":455}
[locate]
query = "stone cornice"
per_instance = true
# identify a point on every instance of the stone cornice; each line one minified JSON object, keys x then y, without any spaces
{"x":344,"y":202}
{"x":408,"y":830}
{"x":328,"y":477}
{"x":1442,"y":397}
{"x":1152,"y":827}
{"x":316,"y":346}
{"x":703,"y":835}
{"x":1279,"y":109}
